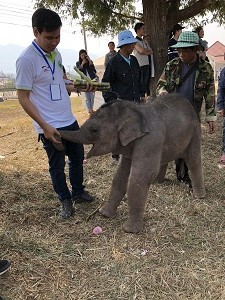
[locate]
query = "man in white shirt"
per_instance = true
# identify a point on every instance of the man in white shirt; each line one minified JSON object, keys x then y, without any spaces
{"x":142,"y":51}
{"x":43,"y":94}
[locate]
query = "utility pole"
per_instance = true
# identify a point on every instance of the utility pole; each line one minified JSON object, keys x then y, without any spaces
{"x":83,"y":30}
{"x":84,"y":33}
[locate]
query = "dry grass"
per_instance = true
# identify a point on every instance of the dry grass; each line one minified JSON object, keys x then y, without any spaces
{"x":179,"y":254}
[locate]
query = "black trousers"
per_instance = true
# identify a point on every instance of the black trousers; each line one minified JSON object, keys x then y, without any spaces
{"x":181,"y":169}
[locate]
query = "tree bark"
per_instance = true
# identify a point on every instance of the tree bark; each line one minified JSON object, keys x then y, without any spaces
{"x":155,"y":19}
{"x":159,"y":17}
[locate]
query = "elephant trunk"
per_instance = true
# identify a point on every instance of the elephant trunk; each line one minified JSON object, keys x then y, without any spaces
{"x":72,"y":136}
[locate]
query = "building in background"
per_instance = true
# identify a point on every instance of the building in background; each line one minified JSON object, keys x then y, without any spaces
{"x":216,"y":55}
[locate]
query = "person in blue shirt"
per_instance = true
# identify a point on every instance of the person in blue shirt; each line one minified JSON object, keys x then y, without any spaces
{"x":221,"y":109}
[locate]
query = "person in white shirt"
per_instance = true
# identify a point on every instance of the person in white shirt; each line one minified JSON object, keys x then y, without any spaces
{"x":142,"y":51}
{"x":43,"y":94}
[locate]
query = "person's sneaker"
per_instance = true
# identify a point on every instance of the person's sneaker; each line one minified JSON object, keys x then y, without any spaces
{"x":4,"y":266}
{"x":84,"y":197}
{"x":66,"y":209}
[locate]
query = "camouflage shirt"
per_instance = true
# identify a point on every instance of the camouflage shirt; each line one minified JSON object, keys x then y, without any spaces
{"x":204,"y":85}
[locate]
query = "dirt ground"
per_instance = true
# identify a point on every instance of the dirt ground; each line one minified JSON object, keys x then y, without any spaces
{"x":178,"y":255}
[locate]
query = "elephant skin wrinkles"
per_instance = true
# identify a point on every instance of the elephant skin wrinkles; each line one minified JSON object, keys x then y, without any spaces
{"x":148,"y":136}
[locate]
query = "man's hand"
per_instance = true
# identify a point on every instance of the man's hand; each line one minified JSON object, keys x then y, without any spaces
{"x":53,"y":135}
{"x":50,"y":133}
{"x":90,"y":88}
{"x":211,"y":126}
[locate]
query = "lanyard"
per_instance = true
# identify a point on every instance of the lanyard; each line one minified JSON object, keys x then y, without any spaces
{"x":44,"y":56}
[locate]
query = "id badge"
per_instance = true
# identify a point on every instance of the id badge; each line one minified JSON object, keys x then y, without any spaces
{"x":55,"y":92}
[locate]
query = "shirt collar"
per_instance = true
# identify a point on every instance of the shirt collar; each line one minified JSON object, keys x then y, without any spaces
{"x":51,"y":56}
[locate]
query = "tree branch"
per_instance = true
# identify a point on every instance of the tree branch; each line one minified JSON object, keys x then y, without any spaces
{"x":125,"y":16}
{"x":192,"y":10}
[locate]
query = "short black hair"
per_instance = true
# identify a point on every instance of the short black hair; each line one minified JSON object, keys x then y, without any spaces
{"x":198,"y":29}
{"x":46,"y":20}
{"x":111,"y":43}
{"x":138,"y":26}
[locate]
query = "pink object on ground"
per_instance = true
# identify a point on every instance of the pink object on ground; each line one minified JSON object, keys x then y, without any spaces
{"x":97,"y":230}
{"x":222,"y":160}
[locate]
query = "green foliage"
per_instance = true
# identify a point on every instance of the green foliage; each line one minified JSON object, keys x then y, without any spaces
{"x":98,"y":16}
{"x":110,"y":16}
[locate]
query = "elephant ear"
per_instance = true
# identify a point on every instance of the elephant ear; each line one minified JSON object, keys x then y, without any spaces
{"x":133,"y":127}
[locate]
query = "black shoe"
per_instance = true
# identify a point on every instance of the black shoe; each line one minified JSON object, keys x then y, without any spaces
{"x":4,"y":266}
{"x":66,"y":209}
{"x":84,"y":197}
{"x":186,"y":180}
{"x":115,"y":157}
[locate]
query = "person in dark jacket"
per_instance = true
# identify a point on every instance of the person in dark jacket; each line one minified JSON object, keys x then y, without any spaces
{"x":123,"y":71}
{"x":85,"y":65}
{"x":174,"y":35}
{"x":124,"y":74}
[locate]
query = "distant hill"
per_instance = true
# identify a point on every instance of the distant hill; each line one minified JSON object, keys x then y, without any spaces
{"x":10,"y":53}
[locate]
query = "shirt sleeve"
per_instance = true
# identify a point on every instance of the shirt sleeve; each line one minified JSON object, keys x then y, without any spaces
{"x":24,"y":74}
{"x":162,"y":85}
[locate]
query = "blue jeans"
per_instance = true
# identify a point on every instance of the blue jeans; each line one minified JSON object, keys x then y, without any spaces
{"x":89,"y":99}
{"x":56,"y":160}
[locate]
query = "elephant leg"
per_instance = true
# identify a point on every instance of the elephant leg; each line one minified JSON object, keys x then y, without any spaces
{"x":137,"y":194}
{"x":118,"y":188}
{"x":162,"y":173}
{"x":194,"y":164}
{"x":197,"y":180}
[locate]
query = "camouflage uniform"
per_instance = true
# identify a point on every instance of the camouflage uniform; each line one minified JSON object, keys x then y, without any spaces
{"x":204,"y":85}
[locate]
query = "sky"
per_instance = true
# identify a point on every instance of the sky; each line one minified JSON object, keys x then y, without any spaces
{"x":15,"y":28}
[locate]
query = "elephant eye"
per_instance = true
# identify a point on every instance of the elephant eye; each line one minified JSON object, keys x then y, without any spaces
{"x":94,"y":130}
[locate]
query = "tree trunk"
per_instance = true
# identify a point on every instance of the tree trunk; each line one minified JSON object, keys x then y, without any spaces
{"x":155,"y":19}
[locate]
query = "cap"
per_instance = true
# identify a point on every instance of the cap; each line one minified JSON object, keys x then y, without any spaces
{"x":177,"y":27}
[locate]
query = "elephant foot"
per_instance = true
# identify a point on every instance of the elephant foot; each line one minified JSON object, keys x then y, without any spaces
{"x":199,"y":193}
{"x":107,"y":211}
{"x":132,"y":227}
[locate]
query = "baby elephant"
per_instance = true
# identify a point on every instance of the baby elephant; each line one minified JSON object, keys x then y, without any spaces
{"x":148,"y":136}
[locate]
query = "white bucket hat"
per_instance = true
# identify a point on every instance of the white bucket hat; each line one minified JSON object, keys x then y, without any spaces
{"x":125,"y":37}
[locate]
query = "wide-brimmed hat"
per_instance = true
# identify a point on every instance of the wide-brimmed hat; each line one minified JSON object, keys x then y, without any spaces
{"x":187,"y":39}
{"x":125,"y":37}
